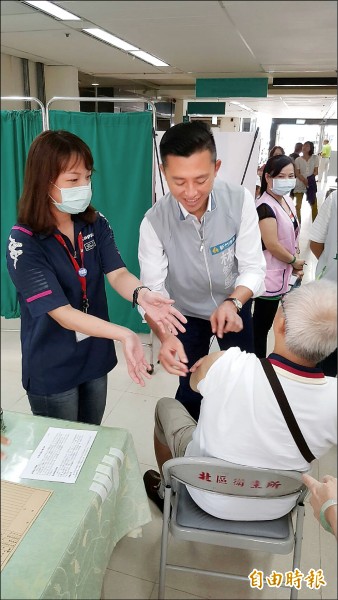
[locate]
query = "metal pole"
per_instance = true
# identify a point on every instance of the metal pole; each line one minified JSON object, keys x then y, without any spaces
{"x":96,"y":105}
{"x":251,"y":149}
{"x":30,"y":99}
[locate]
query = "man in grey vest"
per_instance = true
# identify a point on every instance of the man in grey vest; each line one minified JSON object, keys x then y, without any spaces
{"x":201,"y":245}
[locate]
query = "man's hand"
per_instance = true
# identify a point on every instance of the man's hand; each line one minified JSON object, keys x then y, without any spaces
{"x":161,"y":311}
{"x":225,"y":319}
{"x":172,"y":356}
{"x":197,"y":364}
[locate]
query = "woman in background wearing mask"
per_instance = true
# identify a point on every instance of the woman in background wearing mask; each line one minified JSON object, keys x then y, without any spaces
{"x":58,"y":254}
{"x":279,"y":230}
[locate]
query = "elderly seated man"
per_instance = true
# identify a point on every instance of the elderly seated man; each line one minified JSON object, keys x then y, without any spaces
{"x":241,"y":421}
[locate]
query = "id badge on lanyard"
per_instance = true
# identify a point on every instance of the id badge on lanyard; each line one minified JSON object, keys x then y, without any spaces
{"x":81,"y":272}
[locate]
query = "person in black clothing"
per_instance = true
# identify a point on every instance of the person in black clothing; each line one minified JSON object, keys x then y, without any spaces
{"x":297,"y":150}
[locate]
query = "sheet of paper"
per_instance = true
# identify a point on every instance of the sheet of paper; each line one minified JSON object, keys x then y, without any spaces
{"x":20,"y":505}
{"x":60,"y":455}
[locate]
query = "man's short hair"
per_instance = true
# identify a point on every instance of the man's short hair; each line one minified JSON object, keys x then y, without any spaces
{"x":184,"y":139}
{"x":311,"y":320}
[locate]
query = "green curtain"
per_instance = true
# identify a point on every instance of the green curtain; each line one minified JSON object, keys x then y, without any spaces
{"x":121,"y":145}
{"x":18,"y":130}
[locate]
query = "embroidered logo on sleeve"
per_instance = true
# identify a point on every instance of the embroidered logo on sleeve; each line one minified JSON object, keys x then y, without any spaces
{"x":14,"y":253}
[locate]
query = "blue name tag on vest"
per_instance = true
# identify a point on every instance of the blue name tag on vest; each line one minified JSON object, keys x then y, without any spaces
{"x":224,"y":246}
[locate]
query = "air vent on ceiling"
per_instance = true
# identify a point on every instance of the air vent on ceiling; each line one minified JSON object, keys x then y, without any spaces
{"x":314,"y":82}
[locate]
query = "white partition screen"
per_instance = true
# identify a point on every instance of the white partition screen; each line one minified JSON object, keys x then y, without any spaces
{"x":233,"y":149}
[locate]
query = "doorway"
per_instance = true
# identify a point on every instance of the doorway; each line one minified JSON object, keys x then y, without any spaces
{"x":288,"y":135}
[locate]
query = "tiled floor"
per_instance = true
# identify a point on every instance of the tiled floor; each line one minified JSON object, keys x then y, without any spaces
{"x":133,"y":568}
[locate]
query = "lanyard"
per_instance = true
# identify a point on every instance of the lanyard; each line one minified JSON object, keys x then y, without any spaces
{"x":80,"y":270}
{"x":291,"y":215}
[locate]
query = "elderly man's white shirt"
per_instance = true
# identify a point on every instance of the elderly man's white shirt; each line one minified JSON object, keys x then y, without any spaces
{"x":241,"y":422}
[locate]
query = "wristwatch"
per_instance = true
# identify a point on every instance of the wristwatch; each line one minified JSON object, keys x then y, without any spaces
{"x":236,"y":302}
{"x":136,"y":293}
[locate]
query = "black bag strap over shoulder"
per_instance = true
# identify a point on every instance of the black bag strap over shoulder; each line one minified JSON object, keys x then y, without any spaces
{"x":286,"y":410}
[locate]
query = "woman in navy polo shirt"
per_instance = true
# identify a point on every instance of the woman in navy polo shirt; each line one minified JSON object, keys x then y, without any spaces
{"x":58,"y":254}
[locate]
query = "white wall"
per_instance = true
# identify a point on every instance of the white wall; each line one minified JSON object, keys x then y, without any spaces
{"x":230,"y":124}
{"x":333,"y":165}
{"x":59,"y":81}
{"x":179,"y":111}
{"x":62,"y":81}
{"x":11,"y":81}
{"x":233,"y":149}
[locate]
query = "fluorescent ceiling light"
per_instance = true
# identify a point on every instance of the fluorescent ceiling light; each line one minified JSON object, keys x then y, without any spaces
{"x":122,"y":45}
{"x":242,"y":106}
{"x":55,"y":11}
{"x":110,"y":39}
{"x":149,"y":58}
{"x":300,"y":121}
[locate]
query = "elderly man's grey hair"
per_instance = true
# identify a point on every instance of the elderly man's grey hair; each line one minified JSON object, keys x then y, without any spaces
{"x":311,"y":320}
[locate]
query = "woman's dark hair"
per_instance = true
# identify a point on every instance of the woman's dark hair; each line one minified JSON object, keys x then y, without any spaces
{"x":184,"y":139}
{"x":312,"y":148}
{"x":49,"y":155}
{"x":273,"y":167}
{"x":271,"y":153}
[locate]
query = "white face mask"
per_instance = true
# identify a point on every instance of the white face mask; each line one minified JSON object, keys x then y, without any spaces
{"x":283,"y":186}
{"x":74,"y":200}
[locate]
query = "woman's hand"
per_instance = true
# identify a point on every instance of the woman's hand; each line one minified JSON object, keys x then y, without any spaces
{"x":298,"y":268}
{"x":136,"y":362}
{"x":298,"y":264}
{"x":5,"y":441}
{"x":161,"y":310}
{"x":321,"y":491}
{"x":172,"y":356}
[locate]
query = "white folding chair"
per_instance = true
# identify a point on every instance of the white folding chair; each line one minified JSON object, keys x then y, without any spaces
{"x":186,"y":521}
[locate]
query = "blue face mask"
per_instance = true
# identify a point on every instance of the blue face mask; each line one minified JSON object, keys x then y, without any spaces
{"x":74,"y":200}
